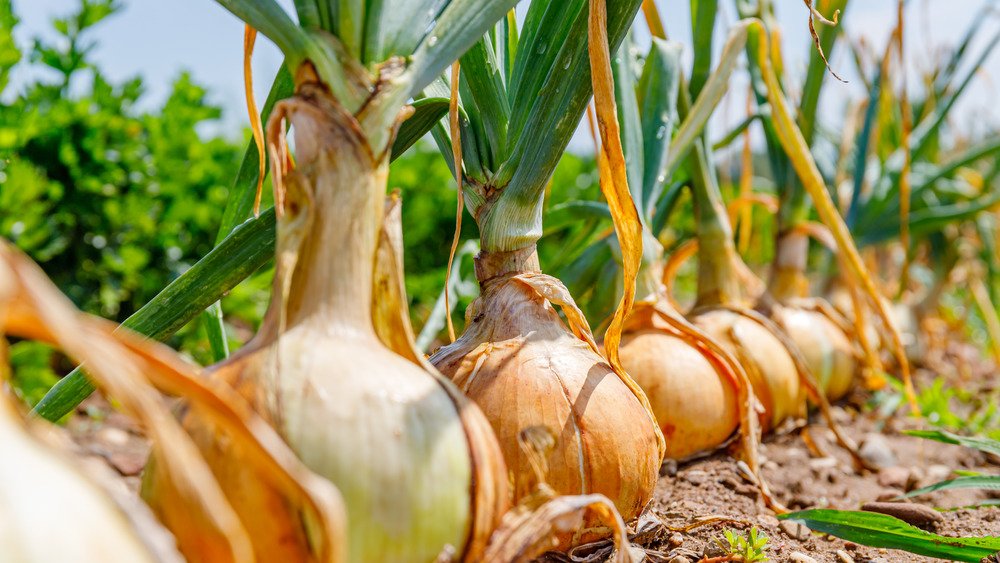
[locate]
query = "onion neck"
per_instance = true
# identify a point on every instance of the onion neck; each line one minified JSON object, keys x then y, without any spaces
{"x":493,"y":264}
{"x":718,"y":283}
{"x":333,"y":213}
{"x":791,"y":250}
{"x":788,"y":277}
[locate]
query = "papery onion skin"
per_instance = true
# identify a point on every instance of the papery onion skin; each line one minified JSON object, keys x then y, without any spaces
{"x":769,"y":365}
{"x":695,"y":406}
{"x":520,"y":363}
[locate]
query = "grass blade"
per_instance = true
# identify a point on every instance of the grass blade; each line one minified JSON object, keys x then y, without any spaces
{"x":981,"y":444}
{"x":240,"y":254}
{"x":987,"y":482}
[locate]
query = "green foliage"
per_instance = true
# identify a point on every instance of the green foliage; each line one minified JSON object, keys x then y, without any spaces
{"x":35,"y":371}
{"x":750,"y":548}
{"x":982,"y":444}
{"x":947,"y":407}
{"x":111,"y":202}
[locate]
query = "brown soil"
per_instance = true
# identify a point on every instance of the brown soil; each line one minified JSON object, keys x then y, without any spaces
{"x":714,"y":490}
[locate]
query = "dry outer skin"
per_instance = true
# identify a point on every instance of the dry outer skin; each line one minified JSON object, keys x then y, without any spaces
{"x":524,"y":368}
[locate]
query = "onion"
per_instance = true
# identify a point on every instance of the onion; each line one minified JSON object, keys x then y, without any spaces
{"x":768,"y":363}
{"x":824,"y":347}
{"x":812,"y":324}
{"x":415,"y":462}
{"x":695,"y":404}
{"x":50,"y":512}
{"x":206,"y":526}
{"x":525,"y":368}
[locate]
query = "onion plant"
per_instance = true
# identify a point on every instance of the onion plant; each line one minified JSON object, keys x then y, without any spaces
{"x":521,"y":94}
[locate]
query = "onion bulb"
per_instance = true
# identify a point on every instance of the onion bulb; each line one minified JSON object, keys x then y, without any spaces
{"x":811,"y":324}
{"x":695,"y":404}
{"x":332,"y":370}
{"x":524,"y":367}
{"x":824,"y":346}
{"x":51,"y":512}
{"x":768,"y":363}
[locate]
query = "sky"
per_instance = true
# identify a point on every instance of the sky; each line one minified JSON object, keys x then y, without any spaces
{"x":157,"y":39}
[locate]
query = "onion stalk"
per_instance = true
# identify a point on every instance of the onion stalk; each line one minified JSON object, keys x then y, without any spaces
{"x":332,"y":367}
{"x":517,"y":359}
{"x":810,"y":323}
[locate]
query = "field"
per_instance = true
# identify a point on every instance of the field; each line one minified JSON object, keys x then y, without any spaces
{"x":396,"y":318}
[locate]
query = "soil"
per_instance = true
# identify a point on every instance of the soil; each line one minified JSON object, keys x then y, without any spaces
{"x":695,"y":501}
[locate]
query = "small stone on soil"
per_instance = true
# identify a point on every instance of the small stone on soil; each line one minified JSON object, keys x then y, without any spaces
{"x":801,"y":558}
{"x":916,"y":514}
{"x":669,"y":468}
{"x":894,"y":477}
{"x":936,"y":473}
{"x":111,"y":436}
{"x":712,"y":550}
{"x":794,"y":530}
{"x":695,"y":476}
{"x":768,"y":521}
{"x":675,"y":540}
{"x":843,"y":557}
{"x":679,"y":559}
{"x":128,"y":463}
{"x":886,"y":495}
{"x":876,"y":450}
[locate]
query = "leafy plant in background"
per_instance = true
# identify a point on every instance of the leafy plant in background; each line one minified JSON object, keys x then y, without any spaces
{"x":113,"y":202}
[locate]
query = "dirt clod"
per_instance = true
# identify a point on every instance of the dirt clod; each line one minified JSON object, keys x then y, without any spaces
{"x":916,"y":514}
{"x":894,"y":477}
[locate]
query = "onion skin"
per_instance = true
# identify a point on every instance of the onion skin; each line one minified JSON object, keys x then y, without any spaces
{"x":768,"y":364}
{"x":521,"y":364}
{"x":389,"y":434}
{"x":695,"y":406}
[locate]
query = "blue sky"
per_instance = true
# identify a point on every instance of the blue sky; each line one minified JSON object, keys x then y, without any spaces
{"x":159,"y":38}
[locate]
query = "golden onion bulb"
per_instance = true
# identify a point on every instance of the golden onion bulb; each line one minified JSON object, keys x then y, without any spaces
{"x":825,"y":348}
{"x":768,"y":363}
{"x":525,"y":368}
{"x":694,"y":404}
